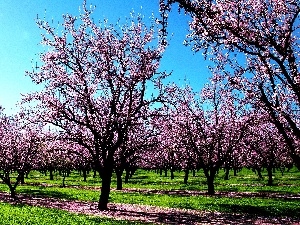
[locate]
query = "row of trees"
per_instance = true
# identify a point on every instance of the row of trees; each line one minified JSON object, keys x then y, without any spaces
{"x":104,"y":95}
{"x":210,"y":131}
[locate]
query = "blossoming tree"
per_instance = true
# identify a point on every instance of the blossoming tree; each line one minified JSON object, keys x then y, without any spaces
{"x":95,"y":82}
{"x":20,"y":145}
{"x":256,"y":43}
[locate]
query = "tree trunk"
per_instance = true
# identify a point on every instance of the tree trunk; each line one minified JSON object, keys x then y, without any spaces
{"x":259,"y":173}
{"x":270,"y":176}
{"x":194,"y":173}
{"x":127,"y":175}
{"x":119,"y":173}
{"x":226,"y":177}
{"x":186,"y":176}
{"x":105,"y":189}
{"x":160,"y":172}
{"x":84,"y":175}
{"x":166,"y":172}
{"x":12,"y":190}
{"x":210,"y":185}
{"x":22,"y":178}
{"x":51,"y":174}
{"x":172,"y":174}
{"x":235,"y":172}
{"x":64,"y":174}
{"x":210,"y":177}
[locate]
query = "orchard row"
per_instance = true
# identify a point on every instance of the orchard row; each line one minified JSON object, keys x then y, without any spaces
{"x":107,"y":106}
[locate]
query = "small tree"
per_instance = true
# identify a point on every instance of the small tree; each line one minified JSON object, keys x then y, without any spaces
{"x":211,"y":126}
{"x":20,"y":145}
{"x":266,"y":148}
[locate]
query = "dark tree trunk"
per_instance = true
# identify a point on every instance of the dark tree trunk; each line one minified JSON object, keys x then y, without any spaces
{"x":186,"y":176}
{"x":160,"y":172}
{"x":105,"y":189}
{"x":172,"y":174}
{"x":12,"y":190}
{"x":210,"y":185}
{"x":95,"y":174}
{"x":235,"y":172}
{"x":51,"y":174}
{"x":166,"y":172}
{"x":119,"y":173}
{"x":127,"y":175}
{"x":226,"y":177}
{"x":210,"y":177}
{"x":22,"y":178}
{"x":259,"y":173}
{"x":194,"y":173}
{"x":64,"y":174}
{"x":270,"y":176}
{"x":84,"y":175}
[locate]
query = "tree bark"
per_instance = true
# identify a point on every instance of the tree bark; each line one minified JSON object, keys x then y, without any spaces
{"x":51,"y":174}
{"x":105,"y":189}
{"x":22,"y":178}
{"x":172,"y":174}
{"x":119,"y":173}
{"x":160,"y":172}
{"x":84,"y":175}
{"x":127,"y":175}
{"x":210,"y":177}
{"x":226,"y":177}
{"x":270,"y":176}
{"x":194,"y":173}
{"x":210,"y":185}
{"x":186,"y":176}
{"x":259,"y":173}
{"x":12,"y":190}
{"x":235,"y":172}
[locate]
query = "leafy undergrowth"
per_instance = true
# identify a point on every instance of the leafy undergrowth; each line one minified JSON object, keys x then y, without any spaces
{"x":22,"y":214}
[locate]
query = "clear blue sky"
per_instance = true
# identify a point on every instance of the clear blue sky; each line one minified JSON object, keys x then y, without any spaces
{"x":20,"y":37}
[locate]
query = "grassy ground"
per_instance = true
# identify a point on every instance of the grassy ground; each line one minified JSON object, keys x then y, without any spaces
{"x":23,"y":215}
{"x":245,"y":181}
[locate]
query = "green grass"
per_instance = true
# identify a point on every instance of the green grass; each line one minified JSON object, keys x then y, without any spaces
{"x":257,"y":206}
{"x":28,"y":215}
{"x":245,"y":181}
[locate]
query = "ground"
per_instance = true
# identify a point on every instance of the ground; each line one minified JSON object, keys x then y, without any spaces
{"x":157,"y":215}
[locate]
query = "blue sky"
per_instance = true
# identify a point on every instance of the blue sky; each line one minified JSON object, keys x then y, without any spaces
{"x":20,"y":37}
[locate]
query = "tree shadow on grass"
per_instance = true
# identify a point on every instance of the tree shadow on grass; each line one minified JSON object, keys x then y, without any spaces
{"x":159,"y":214}
{"x":261,"y":210}
{"x":173,"y":217}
